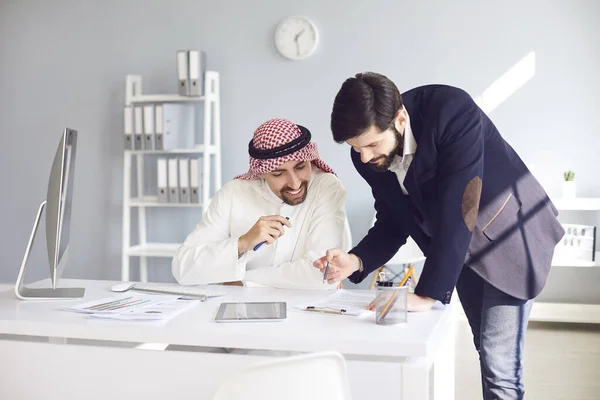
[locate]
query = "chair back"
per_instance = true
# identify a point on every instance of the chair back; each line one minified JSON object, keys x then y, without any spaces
{"x":409,"y":253}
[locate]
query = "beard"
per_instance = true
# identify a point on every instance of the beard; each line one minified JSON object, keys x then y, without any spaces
{"x":382,"y":163}
{"x":294,"y":201}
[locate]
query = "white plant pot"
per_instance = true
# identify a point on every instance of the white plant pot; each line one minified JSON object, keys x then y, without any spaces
{"x":569,"y":189}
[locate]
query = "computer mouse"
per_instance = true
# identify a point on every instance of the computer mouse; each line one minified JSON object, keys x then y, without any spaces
{"x":122,"y":287}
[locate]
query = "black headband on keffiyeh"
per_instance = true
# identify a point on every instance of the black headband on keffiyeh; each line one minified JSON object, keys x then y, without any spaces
{"x":277,"y":141}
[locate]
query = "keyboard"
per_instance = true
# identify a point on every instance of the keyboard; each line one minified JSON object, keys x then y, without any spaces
{"x":191,"y":291}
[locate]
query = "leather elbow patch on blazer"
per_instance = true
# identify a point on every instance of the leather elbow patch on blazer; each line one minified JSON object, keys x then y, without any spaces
{"x":470,"y":202}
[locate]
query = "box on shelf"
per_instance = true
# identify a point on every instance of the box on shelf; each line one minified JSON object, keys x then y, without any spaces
{"x":577,"y":245}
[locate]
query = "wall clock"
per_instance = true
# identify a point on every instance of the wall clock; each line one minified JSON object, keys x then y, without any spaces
{"x":296,"y":38}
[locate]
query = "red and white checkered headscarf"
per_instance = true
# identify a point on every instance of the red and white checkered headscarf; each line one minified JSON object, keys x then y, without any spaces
{"x":276,"y":133}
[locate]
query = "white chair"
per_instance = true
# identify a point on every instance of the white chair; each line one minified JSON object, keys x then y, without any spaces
{"x":316,"y":376}
{"x":407,"y":256}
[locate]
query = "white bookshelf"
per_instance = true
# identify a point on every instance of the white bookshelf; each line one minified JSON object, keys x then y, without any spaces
{"x":555,"y":312}
{"x":577,"y":204}
{"x":571,"y":312}
{"x":209,"y":150}
{"x":153,"y":250}
{"x":165,"y":98}
{"x":152,"y":201}
{"x":199,"y":149}
{"x":578,"y":264}
{"x":566,"y":313}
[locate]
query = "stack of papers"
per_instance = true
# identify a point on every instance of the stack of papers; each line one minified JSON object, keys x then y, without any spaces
{"x":137,"y":307}
{"x":352,"y":302}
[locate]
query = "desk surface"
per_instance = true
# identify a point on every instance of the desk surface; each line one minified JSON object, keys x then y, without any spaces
{"x":196,"y":327}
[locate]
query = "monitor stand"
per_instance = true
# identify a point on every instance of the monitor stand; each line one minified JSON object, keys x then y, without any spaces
{"x":25,"y":293}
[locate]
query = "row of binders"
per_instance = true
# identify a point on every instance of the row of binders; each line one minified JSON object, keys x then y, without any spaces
{"x":178,"y":180}
{"x":159,"y":127}
{"x":191,"y":66}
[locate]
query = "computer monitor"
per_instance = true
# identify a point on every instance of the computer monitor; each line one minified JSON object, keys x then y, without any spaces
{"x":58,"y":220}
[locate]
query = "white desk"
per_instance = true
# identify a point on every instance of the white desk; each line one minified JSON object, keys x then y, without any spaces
{"x":408,"y":361}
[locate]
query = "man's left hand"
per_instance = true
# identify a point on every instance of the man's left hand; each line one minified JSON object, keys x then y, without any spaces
{"x":419,"y":303}
{"x":415,"y":303}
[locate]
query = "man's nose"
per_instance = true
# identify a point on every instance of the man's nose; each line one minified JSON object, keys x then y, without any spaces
{"x":294,"y":182}
{"x":366,"y":156}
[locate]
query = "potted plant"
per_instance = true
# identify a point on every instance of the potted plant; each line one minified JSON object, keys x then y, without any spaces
{"x":569,"y":187}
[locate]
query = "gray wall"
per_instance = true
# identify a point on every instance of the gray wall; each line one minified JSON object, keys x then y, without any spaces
{"x":63,"y":63}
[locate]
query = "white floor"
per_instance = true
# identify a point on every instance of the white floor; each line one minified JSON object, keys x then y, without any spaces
{"x":562,"y":361}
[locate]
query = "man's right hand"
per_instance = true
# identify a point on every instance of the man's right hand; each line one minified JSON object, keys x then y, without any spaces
{"x":266,"y":229}
{"x":341,"y":265}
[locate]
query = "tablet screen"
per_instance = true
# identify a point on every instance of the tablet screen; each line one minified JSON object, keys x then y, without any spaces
{"x":255,"y":311}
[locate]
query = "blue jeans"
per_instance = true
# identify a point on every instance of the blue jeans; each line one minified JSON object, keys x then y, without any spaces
{"x":498,"y":322}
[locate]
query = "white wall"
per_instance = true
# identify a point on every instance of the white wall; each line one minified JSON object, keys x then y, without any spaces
{"x":63,"y":63}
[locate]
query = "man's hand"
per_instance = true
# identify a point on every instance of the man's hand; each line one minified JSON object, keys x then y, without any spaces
{"x":341,"y":265}
{"x":266,"y":229}
{"x":415,"y":303}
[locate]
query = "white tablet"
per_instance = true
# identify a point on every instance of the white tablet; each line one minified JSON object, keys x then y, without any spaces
{"x":251,"y":312}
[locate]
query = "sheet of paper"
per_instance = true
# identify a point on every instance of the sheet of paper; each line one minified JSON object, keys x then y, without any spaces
{"x":354,"y":302}
{"x":119,"y":304}
{"x":162,"y":311}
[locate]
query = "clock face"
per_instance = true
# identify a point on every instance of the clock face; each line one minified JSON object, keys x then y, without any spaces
{"x":296,"y":38}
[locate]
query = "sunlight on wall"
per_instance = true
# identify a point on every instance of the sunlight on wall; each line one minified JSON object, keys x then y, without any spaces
{"x":507,"y":84}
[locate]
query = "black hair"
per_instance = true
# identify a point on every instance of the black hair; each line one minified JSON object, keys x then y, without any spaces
{"x":365,"y":100}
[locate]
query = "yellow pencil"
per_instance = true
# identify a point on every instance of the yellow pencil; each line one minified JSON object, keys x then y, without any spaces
{"x":407,"y":275}
{"x":391,"y":300}
{"x":388,"y":305}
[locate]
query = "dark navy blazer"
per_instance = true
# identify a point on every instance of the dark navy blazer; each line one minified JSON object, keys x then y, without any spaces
{"x":516,"y":230}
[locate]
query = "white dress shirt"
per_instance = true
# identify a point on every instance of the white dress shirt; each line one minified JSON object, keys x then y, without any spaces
{"x":400,"y":164}
{"x":210,"y":253}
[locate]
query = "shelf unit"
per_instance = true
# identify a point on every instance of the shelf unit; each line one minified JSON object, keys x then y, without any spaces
{"x":570,"y":312}
{"x":582,"y":264}
{"x":153,"y":250}
{"x":209,"y":149}
{"x":577,"y":204}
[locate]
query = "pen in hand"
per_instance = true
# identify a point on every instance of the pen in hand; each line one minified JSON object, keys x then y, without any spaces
{"x":261,"y":243}
{"x":325,"y":273}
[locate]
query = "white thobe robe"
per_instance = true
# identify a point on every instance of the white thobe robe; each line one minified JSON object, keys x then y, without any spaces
{"x":210,"y":253}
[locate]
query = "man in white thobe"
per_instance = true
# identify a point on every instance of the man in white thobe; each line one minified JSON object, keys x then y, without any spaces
{"x":268,"y":226}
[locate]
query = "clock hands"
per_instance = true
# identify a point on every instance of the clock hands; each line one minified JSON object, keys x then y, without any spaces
{"x":297,"y":44}
{"x":298,"y":34}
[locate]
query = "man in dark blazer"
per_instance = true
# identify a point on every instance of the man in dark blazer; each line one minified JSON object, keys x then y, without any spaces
{"x":440,"y":172}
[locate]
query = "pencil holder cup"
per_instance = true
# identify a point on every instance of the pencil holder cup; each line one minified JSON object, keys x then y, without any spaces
{"x":391,"y":304}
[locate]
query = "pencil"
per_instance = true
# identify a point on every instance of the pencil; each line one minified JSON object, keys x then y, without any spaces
{"x":389,"y":303}
{"x":407,"y":275}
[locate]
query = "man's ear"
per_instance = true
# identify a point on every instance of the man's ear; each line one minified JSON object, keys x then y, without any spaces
{"x":400,"y":120}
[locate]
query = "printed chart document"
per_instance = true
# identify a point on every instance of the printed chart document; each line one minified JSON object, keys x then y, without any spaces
{"x":162,"y":311}
{"x":343,"y":302}
{"x":119,"y":304}
{"x":135,"y":307}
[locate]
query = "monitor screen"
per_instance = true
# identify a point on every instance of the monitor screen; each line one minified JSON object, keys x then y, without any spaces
{"x":59,"y":201}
